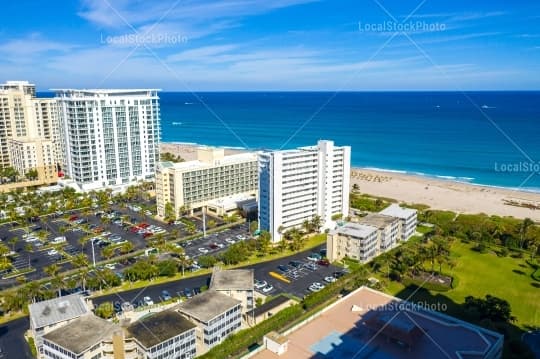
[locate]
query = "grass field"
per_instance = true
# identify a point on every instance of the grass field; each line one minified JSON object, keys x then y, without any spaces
{"x":480,"y":274}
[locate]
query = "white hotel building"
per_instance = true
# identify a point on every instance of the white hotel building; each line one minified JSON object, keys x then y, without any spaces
{"x":297,"y":185}
{"x":110,"y":137}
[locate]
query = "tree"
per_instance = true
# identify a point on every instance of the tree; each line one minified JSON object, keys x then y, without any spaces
{"x":13,"y":241}
{"x":169,"y":212}
{"x":355,"y":187}
{"x":105,"y":310}
{"x":211,"y":223}
{"x":107,"y":252}
{"x":10,"y":173}
{"x":253,"y":226}
{"x":32,"y":174}
{"x":169,"y":157}
{"x":207,"y":261}
{"x":307,"y":226}
{"x":527,"y":222}
{"x":263,"y":242}
{"x":51,"y":270}
{"x":126,"y":247}
{"x":316,"y":223}
{"x":28,"y":249}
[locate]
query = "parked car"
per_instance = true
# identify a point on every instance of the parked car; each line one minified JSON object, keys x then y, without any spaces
{"x":148,"y":301}
{"x":268,"y":288}
{"x":213,"y":246}
{"x":60,"y":239}
{"x":330,"y":279}
{"x":338,"y":275}
{"x":259,"y":284}
{"x":188,"y":292}
{"x":230,"y":240}
{"x":296,"y":264}
{"x":314,"y":257}
{"x":203,"y":250}
{"x":323,"y":262}
{"x":52,"y":252}
{"x":110,"y":266}
{"x":283,"y":268}
{"x":165,"y":295}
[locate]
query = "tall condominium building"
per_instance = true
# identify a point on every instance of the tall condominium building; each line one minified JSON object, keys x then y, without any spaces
{"x":29,"y":131}
{"x":110,"y":138}
{"x":298,"y":185}
{"x":212,"y":176}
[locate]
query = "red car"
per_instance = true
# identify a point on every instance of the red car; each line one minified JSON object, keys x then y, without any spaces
{"x":143,"y":225}
{"x":147,"y":234}
{"x":323,"y":262}
{"x":213,"y":246}
{"x":134,"y":229}
{"x":73,"y":218}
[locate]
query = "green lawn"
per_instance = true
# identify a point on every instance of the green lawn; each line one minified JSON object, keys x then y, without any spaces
{"x":480,"y":274}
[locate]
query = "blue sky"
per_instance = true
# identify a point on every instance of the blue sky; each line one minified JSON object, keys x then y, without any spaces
{"x":272,"y":44}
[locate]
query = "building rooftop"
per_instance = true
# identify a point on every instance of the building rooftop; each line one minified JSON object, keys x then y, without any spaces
{"x":358,"y":230}
{"x":157,"y":328}
{"x":377,"y":220}
{"x":276,"y":337}
{"x":233,"y":279}
{"x":207,"y":305}
{"x":57,"y":310}
{"x":82,"y":333}
{"x":395,"y":210}
{"x":197,"y":164}
{"x":271,"y":304}
{"x":360,"y":325}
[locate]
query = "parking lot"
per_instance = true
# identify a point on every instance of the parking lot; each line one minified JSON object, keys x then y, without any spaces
{"x":86,"y":231}
{"x":301,"y":273}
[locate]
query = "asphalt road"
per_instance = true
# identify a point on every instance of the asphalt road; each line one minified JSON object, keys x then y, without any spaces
{"x":297,"y":287}
{"x":12,"y":340}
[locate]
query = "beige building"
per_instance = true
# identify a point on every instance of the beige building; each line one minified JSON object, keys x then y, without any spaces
{"x":365,"y":239}
{"x":48,"y":315}
{"x":236,"y":283}
{"x":193,"y":184}
{"x":29,"y":131}
{"x":216,"y":315}
{"x":166,"y":334}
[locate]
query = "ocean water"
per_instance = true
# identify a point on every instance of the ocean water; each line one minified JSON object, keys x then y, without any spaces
{"x":488,"y":138}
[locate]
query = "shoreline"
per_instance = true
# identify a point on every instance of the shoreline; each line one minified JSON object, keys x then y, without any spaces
{"x":438,"y":192}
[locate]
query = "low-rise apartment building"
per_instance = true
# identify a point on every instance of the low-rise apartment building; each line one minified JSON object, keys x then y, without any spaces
{"x":407,"y":216}
{"x":48,"y":315}
{"x":236,"y":283}
{"x":216,"y":315}
{"x":365,"y":239}
{"x":193,"y":184}
{"x":87,"y":337}
{"x":165,"y":335}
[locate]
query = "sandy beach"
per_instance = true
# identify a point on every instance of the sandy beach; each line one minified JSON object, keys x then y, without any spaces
{"x":438,"y":194}
{"x":449,"y":195}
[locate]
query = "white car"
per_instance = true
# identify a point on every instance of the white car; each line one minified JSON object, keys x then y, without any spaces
{"x":318,"y":285}
{"x":313,"y":288}
{"x":52,"y":252}
{"x":110,"y":266}
{"x":268,"y":288}
{"x":329,"y":279}
{"x":148,"y":301}
{"x":259,"y":284}
{"x":230,"y":240}
{"x":203,"y":250}
{"x":60,"y":239}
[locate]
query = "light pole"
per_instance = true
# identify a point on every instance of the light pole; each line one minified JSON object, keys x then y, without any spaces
{"x":93,"y":252}
{"x":204,"y":221}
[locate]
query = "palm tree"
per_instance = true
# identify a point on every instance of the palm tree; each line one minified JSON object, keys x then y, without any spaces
{"x":316,"y":223}
{"x":107,"y":252}
{"x":28,"y":249}
{"x":527,"y":222}
{"x":33,"y":291}
{"x":126,"y":247}
{"x":51,"y":270}
{"x":13,"y":241}
{"x":307,"y":226}
{"x":4,"y":251}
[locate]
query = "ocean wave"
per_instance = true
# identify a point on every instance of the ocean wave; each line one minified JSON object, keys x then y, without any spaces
{"x":384,"y":170}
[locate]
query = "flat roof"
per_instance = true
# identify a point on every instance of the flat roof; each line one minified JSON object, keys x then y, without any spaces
{"x":82,"y":333}
{"x":358,"y":230}
{"x":342,"y":330}
{"x":207,"y":305}
{"x":157,"y":328}
{"x":271,"y":304}
{"x":57,"y":310}
{"x":225,"y":161}
{"x":377,"y":220}
{"x":396,"y":210}
{"x":233,"y":279}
